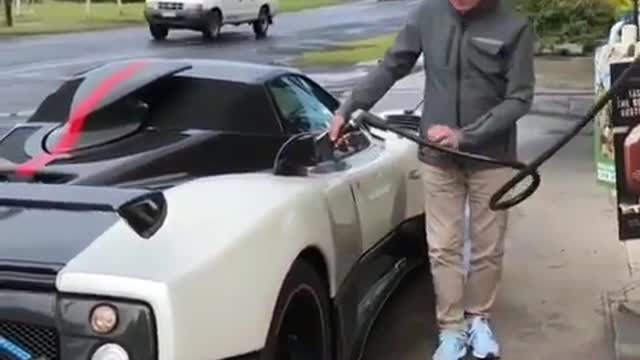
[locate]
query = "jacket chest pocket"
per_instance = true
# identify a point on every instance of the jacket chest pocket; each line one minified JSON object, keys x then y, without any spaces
{"x":486,"y":55}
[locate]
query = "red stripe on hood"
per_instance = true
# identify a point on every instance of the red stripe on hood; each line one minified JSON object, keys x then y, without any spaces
{"x":78,"y":118}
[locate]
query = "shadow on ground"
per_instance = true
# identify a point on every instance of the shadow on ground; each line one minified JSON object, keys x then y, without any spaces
{"x":188,"y":38}
{"x":405,"y":329}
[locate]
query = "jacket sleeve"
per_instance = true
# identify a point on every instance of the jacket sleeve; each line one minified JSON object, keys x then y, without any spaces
{"x":518,"y":97}
{"x":397,"y":63}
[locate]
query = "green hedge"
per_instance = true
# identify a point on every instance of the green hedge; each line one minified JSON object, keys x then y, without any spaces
{"x":576,"y":21}
{"x":99,"y":1}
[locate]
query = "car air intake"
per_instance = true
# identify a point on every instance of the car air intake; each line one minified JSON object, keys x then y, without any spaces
{"x":41,"y":342}
{"x":404,"y":121}
{"x":12,"y":144}
{"x":39,"y":178}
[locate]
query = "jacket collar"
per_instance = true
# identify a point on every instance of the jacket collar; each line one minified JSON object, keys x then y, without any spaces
{"x":482,"y":8}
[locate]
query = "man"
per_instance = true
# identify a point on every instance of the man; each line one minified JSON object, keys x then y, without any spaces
{"x":478,"y":62}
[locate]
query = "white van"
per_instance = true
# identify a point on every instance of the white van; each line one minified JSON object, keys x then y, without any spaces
{"x":208,"y":16}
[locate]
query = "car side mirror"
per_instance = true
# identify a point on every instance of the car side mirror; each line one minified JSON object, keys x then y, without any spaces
{"x":296,"y":155}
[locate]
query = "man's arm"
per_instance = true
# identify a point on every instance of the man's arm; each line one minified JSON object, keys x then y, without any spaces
{"x":518,"y":99}
{"x":397,"y":63}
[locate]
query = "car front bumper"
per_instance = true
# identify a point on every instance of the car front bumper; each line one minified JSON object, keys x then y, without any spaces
{"x":50,"y":325}
{"x":181,"y":19}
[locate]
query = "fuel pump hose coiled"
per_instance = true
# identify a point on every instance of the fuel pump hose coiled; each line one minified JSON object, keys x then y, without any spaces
{"x":501,"y":199}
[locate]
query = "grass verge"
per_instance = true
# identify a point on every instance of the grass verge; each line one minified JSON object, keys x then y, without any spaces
{"x":59,"y":16}
{"x":349,"y":53}
{"x":50,"y":17}
{"x":297,"y":5}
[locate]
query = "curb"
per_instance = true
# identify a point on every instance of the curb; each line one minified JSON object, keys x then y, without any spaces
{"x":623,"y":317}
{"x":560,"y":104}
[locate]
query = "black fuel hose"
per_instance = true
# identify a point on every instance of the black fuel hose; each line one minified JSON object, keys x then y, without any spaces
{"x":524,"y":170}
{"x":367,"y":118}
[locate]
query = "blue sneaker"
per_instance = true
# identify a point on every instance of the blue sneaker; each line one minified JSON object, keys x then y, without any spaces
{"x":453,"y":346}
{"x":481,"y":339}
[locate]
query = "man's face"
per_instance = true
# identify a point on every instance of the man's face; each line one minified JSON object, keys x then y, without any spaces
{"x":464,"y":5}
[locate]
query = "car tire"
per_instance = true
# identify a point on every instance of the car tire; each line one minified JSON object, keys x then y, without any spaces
{"x":301,"y":327}
{"x":261,"y":25}
{"x":158,"y":32}
{"x":213,"y":26}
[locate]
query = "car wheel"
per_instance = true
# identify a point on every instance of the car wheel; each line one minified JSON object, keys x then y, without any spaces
{"x":301,"y":325}
{"x":261,"y":25}
{"x":159,"y":32}
{"x":213,"y":26}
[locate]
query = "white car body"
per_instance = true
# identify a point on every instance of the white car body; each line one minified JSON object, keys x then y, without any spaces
{"x":203,"y":242}
{"x":201,"y":277}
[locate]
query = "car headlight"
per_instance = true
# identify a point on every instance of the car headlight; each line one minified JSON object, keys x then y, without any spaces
{"x":104,"y":319}
{"x":110,"y":352}
{"x":95,"y":328}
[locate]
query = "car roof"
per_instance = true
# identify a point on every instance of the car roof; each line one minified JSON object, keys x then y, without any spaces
{"x":218,"y":69}
{"x":236,"y":70}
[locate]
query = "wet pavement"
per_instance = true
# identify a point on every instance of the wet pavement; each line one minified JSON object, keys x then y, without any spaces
{"x":30,"y":68}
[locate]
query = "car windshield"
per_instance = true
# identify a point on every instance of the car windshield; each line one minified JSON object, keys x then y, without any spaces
{"x":174,"y":103}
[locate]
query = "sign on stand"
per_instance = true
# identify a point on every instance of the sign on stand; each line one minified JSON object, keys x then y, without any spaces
{"x":626,"y":143}
{"x":603,"y":127}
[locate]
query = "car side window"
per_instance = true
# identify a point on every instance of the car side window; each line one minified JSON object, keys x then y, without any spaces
{"x":300,"y":108}
{"x":327,"y":99}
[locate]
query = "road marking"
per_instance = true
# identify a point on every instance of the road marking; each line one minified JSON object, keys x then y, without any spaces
{"x":338,"y":77}
{"x":37,"y":77}
{"x":17,"y":114}
{"x":39,"y":67}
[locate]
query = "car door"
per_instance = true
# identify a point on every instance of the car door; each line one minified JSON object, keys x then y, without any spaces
{"x":243,"y":9}
{"x":231,"y":10}
{"x":373,"y":172}
{"x":250,"y":9}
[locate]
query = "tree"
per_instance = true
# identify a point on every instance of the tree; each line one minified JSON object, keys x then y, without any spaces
{"x":7,"y":12}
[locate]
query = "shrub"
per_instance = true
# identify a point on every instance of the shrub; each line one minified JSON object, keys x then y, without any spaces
{"x":576,"y":21}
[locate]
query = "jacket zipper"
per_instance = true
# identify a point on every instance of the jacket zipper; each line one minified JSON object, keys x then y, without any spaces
{"x":459,"y":72}
{"x":452,"y":32}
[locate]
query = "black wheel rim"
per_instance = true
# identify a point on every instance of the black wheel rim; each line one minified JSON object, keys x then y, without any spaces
{"x":214,"y":26}
{"x":263,"y":22}
{"x":302,"y":335}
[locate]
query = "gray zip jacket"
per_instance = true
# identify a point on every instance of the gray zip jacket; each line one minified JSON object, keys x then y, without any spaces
{"x":479,"y":75}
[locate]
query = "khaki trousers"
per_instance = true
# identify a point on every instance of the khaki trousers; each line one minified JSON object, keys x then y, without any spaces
{"x":447,"y":191}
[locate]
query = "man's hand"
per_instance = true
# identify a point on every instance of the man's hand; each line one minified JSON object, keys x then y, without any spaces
{"x":445,"y":136}
{"x":337,"y":125}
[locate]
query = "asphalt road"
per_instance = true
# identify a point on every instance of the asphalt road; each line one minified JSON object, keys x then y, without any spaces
{"x":31,"y":68}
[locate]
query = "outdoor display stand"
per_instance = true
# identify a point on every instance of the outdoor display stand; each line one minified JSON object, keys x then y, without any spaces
{"x":617,"y":126}
{"x":625,"y":120}
{"x":622,"y":44}
{"x":605,"y":57}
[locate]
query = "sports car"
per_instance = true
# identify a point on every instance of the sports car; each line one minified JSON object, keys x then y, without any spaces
{"x":180,"y":209}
